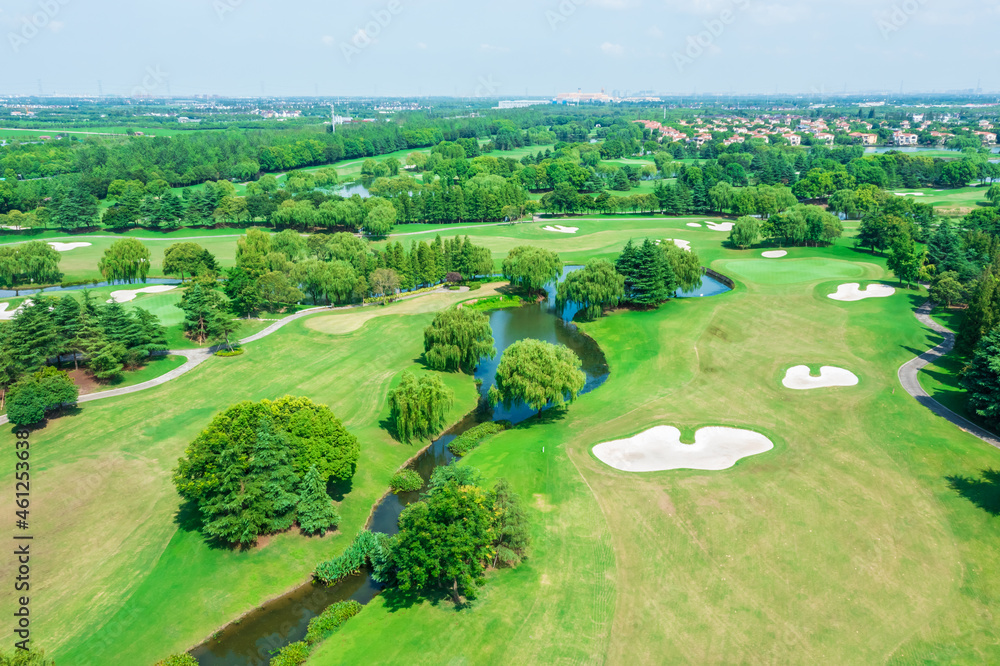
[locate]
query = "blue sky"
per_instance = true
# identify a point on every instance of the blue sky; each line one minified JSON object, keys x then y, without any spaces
{"x":510,"y":48}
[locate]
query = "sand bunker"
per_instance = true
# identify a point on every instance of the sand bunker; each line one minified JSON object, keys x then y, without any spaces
{"x":66,"y":247}
{"x":561,"y":229}
{"x":694,"y":224}
{"x":6,"y":316}
{"x":125,"y":295}
{"x":660,"y":448}
{"x":852,"y":292}
{"x":909,"y":194}
{"x":682,"y":244}
{"x":774,"y":254}
{"x":799,"y":378}
{"x":720,"y":226}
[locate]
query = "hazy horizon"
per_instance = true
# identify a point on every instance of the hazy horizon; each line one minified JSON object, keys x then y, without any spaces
{"x":403,"y":48}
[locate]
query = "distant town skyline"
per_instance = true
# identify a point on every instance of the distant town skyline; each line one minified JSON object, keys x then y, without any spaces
{"x":514,"y":50}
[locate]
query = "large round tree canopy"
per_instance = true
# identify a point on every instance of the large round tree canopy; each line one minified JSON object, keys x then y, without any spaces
{"x":315,"y":436}
{"x":531,"y":268}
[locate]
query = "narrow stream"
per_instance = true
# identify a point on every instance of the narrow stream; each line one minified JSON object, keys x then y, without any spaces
{"x":265,"y":630}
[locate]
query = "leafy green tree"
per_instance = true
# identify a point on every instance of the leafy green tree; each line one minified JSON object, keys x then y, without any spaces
{"x":127,"y":260}
{"x":244,"y":292}
{"x":40,"y":392}
{"x":418,"y":407}
{"x":66,"y":318}
{"x":946,"y":289}
{"x":511,"y":529}
{"x":256,"y":490}
{"x":39,"y":262}
{"x":316,"y":511}
{"x":276,"y":290}
{"x":649,"y":276}
{"x":202,"y":310}
{"x":530,"y":268}
{"x":537,"y":373}
{"x":32,"y":657}
{"x":445,"y":541}
{"x":745,"y":233}
{"x":31,"y":337}
{"x":684,"y":265}
{"x":380,"y":219}
{"x":187,"y":259}
{"x":981,"y":378}
{"x":982,"y":314}
{"x":596,"y":287}
{"x":457,"y":339}
{"x":406,"y":481}
{"x":905,"y":259}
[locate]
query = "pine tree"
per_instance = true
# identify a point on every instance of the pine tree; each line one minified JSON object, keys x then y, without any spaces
{"x":66,"y":318}
{"x":316,"y":511}
{"x":511,"y":528}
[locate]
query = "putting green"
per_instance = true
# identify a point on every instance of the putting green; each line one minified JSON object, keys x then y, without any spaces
{"x":790,"y":271}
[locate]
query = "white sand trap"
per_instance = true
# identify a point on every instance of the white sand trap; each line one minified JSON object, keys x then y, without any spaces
{"x":125,"y":295}
{"x":682,"y":244}
{"x":799,"y":378}
{"x":852,"y":292}
{"x":909,"y":194}
{"x":694,"y":224}
{"x":774,"y":254}
{"x":660,"y":448}
{"x":561,"y":229}
{"x":721,"y":226}
{"x":66,"y":247}
{"x":6,"y":316}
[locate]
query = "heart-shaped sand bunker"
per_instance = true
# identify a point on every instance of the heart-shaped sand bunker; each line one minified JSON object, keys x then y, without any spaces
{"x":799,"y":378}
{"x":660,"y":448}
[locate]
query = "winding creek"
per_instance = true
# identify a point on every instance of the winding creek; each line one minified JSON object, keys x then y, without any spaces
{"x":252,"y":640}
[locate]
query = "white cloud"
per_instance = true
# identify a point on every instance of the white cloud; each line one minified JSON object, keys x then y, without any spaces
{"x":613,"y":49}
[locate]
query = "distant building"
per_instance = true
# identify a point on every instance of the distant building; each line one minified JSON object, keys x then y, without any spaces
{"x":904,"y":139}
{"x":183,"y":120}
{"x":825,"y":138}
{"x":793,"y":139}
{"x":918,"y":117}
{"x":580,"y":97}
{"x":520,"y":103}
{"x":866,"y":139}
{"x":987,"y":137}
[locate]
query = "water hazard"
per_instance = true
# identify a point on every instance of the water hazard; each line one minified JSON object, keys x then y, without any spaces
{"x":285,"y":620}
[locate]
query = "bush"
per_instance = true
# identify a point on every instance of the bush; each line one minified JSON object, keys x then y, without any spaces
{"x":470,"y":439}
{"x":182,"y":659}
{"x":229,"y":352}
{"x":291,"y":655}
{"x":21,"y":657}
{"x":33,"y":395}
{"x":367,"y":547}
{"x":406,"y":481}
{"x":324,"y":624}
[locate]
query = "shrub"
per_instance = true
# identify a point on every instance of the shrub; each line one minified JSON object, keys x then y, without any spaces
{"x":229,"y":352}
{"x":324,"y":624}
{"x":33,"y":395}
{"x":291,"y":655}
{"x":182,"y":659}
{"x":367,"y":547}
{"x":418,"y":407}
{"x":21,"y":657}
{"x":470,"y":439}
{"x":406,"y":481}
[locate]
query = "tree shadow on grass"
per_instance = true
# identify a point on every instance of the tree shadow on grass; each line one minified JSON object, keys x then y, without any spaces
{"x":338,"y":489}
{"x":984,"y":492}
{"x":396,"y":599}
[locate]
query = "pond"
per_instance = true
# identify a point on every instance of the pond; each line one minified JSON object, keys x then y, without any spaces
{"x":709,"y":287}
{"x":9,"y":293}
{"x":347,"y":190}
{"x":286,"y":619}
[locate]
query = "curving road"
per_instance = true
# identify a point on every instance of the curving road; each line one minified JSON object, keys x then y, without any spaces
{"x":909,"y":377}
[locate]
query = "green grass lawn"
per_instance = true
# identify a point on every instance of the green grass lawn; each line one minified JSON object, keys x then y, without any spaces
{"x":849,"y":542}
{"x":958,"y":201}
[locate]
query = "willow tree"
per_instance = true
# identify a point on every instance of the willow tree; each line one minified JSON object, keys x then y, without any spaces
{"x":596,"y":287}
{"x":531,"y":268}
{"x":685,"y":264}
{"x":745,"y":232}
{"x":537,"y":373}
{"x":457,"y":339}
{"x":418,"y":407}
{"x":127,"y":260}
